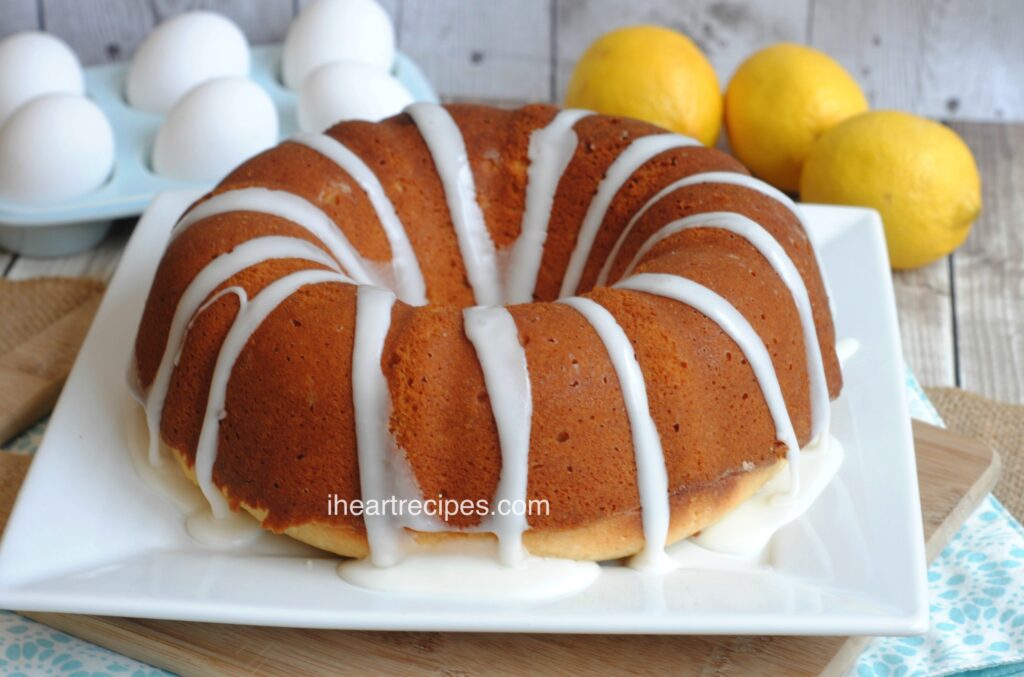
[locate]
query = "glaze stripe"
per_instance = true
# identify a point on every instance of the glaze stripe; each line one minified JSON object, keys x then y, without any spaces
{"x":821,"y":408}
{"x":411,"y":287}
{"x":448,"y":150}
{"x":551,"y":149}
{"x":732,"y":322}
{"x":694,"y":179}
{"x":784,"y":267}
{"x":248,"y":319}
{"x":372,"y":403}
{"x":733,"y":178}
{"x":494,"y":335}
{"x":238,"y":291}
{"x":639,"y":152}
{"x":651,"y":474}
{"x":288,"y":206}
{"x":192,"y":300}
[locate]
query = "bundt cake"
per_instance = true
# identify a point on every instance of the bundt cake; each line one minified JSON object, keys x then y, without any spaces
{"x":478,"y":305}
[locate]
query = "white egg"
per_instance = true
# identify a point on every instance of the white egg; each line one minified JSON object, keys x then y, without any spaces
{"x":349,"y":91}
{"x":33,"y":64}
{"x":181,"y":53}
{"x":337,"y":30}
{"x":213,"y":129}
{"x":55,"y":147}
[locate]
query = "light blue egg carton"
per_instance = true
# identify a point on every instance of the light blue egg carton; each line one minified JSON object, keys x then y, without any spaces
{"x":62,"y":228}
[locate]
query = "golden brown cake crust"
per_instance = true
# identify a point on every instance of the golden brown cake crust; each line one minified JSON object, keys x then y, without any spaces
{"x":616,"y":536}
{"x":289,"y":439}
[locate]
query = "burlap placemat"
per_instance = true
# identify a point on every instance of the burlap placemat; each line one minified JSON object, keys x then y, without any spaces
{"x":998,"y":424}
{"x":29,"y":306}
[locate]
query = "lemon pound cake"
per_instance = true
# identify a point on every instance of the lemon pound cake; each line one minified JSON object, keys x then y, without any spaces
{"x":481,"y":305}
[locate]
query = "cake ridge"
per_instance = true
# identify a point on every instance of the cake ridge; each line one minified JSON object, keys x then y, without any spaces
{"x":725,"y":315}
{"x":652,"y":475}
{"x":195,"y":298}
{"x":770,"y":249}
{"x":447,"y":148}
{"x":551,"y":150}
{"x":733,"y":178}
{"x":411,"y":286}
{"x":250,"y":315}
{"x":616,"y":175}
{"x":288,"y":206}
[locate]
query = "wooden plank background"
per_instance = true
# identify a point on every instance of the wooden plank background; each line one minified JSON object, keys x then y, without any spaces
{"x":960,"y":61}
{"x":948,"y":59}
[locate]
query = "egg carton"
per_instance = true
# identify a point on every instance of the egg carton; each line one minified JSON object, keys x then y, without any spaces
{"x":59,"y":229}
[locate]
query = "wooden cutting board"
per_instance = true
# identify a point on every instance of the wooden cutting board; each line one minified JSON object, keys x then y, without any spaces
{"x":955,"y":474}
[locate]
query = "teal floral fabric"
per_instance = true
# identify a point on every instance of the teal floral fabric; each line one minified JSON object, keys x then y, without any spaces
{"x":976,"y":592}
{"x":29,"y":648}
{"x":28,"y":441}
{"x":976,"y":595}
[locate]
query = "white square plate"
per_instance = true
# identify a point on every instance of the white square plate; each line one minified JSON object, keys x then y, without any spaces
{"x":88,"y":536}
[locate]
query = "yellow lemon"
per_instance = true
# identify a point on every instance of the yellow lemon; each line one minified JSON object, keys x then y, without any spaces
{"x":918,"y":174}
{"x":652,"y":74}
{"x":779,"y":101}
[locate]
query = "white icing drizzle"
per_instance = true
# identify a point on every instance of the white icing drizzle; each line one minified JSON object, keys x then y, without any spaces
{"x":248,"y":319}
{"x":195,"y":298}
{"x":169,"y":482}
{"x":469,"y":571}
{"x":732,"y":322}
{"x":287,"y":206}
{"x":411,"y":287}
{"x":448,"y":150}
{"x":206,"y":448}
{"x":239,"y":292}
{"x":816,"y":363}
{"x":618,"y":173}
{"x":133,"y":381}
{"x":732,"y":178}
{"x":551,"y":149}
{"x":748,"y":528}
{"x":494,"y":335}
{"x":396,"y":562}
{"x":784,"y":267}
{"x":651,"y":474}
{"x":372,"y":402}
{"x":846,"y":349}
{"x":228,"y":531}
